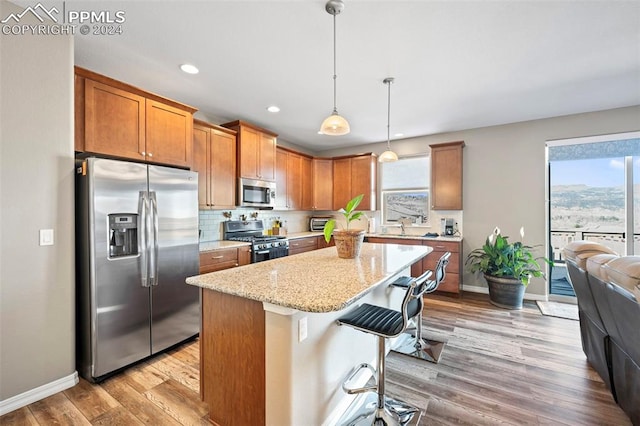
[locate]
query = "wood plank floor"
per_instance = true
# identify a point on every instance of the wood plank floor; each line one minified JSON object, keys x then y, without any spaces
{"x":499,"y":368}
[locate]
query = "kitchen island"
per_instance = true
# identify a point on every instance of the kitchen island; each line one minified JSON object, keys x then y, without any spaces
{"x":270,"y":350}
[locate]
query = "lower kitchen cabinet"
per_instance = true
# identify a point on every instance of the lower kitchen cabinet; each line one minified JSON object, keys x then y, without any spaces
{"x":301,"y":245}
{"x":217,"y":260}
{"x":451,"y":283}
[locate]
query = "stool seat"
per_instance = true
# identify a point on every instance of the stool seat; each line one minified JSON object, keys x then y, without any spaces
{"x":375,"y":319}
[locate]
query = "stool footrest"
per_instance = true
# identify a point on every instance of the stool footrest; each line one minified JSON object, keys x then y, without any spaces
{"x":354,"y":371}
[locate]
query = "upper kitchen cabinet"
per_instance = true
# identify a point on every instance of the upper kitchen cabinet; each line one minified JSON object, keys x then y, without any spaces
{"x":446,"y":176}
{"x":256,"y":151}
{"x":352,"y":176}
{"x":322,"y":184}
{"x":214,"y":158}
{"x":293,"y":180}
{"x":119,"y":120}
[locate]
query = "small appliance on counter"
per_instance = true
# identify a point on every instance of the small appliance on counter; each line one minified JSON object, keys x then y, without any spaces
{"x":316,"y":223}
{"x":447,"y":226}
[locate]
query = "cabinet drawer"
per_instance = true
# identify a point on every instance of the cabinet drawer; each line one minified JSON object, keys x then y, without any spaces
{"x":217,"y":260}
{"x":442,"y":246}
{"x":451,"y":283}
{"x":301,"y":245}
{"x":431,"y":260}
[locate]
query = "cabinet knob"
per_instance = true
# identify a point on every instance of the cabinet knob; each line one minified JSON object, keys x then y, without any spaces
{"x":143,"y":153}
{"x":150,"y":154}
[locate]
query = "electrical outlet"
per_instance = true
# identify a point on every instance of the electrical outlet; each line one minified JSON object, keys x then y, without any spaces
{"x":302,"y":329}
{"x":46,"y":237}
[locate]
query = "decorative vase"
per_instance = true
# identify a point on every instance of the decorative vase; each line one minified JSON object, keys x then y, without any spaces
{"x":505,"y":292}
{"x":348,"y":242}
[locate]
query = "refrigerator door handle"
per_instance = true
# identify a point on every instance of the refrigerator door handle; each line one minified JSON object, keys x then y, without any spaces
{"x":153,"y":264}
{"x":143,"y":238}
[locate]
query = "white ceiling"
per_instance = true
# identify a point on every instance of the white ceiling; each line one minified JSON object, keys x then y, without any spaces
{"x":457,"y":65}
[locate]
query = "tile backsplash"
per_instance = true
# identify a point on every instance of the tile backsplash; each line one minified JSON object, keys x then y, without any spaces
{"x":298,"y":221}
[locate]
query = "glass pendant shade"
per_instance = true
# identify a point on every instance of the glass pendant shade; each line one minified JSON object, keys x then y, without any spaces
{"x":388,"y":157}
{"x":335,"y":125}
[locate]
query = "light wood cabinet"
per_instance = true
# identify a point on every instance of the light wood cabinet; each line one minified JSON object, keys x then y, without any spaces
{"x":322,"y":243}
{"x":217,"y":260}
{"x":451,"y":283}
{"x":293,"y":180}
{"x":306,"y":170}
{"x":322,"y":184}
{"x":256,"y":151}
{"x":352,"y":176}
{"x":446,"y":176}
{"x":302,"y":245}
{"x":115,"y":119}
{"x":214,"y":158}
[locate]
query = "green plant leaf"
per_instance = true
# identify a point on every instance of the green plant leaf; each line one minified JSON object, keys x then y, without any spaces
{"x":328,"y":229}
{"x":353,"y":203}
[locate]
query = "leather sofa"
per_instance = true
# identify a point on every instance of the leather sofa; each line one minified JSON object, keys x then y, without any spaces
{"x":592,"y":331}
{"x":608,"y":290}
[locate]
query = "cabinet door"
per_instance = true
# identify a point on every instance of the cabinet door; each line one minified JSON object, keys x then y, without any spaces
{"x":217,"y":260}
{"x":451,"y":283}
{"x":201,"y":147}
{"x":306,"y":169}
{"x":446,"y":176}
{"x":322,"y":184}
{"x":282,"y":200}
{"x":294,"y":181}
{"x":267,"y":157}
{"x":244,"y":255}
{"x":223,"y":169}
{"x":341,"y":183}
{"x":114,"y":121}
{"x":248,"y":152}
{"x":363,"y":180}
{"x":169,"y":134}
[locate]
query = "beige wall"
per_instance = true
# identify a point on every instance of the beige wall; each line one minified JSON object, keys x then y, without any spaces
{"x":36,"y":192}
{"x":504,"y":173}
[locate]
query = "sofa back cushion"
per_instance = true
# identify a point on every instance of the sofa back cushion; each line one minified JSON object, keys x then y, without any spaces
{"x":624,"y":272}
{"x":578,"y":252}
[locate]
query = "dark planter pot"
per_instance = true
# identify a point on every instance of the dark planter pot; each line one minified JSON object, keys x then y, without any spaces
{"x":505,"y":292}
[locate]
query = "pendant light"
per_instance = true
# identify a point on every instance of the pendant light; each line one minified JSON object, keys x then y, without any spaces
{"x":335,"y":124}
{"x":388,"y":156}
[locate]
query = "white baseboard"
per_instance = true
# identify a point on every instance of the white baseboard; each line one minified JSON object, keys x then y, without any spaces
{"x":485,"y":290}
{"x":41,"y":392}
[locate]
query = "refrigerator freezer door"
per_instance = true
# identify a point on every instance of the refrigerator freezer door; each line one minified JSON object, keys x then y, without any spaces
{"x":175,"y":306}
{"x":120,"y":304}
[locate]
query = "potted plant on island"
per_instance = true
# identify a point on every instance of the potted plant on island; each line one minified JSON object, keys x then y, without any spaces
{"x":348,"y":241}
{"x":507,"y":267}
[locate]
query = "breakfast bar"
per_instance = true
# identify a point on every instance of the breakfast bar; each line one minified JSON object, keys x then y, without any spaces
{"x":270,"y":350}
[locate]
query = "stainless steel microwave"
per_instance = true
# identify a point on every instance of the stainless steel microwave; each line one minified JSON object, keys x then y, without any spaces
{"x":259,"y":194}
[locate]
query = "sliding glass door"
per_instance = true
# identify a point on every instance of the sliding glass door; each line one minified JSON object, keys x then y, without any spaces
{"x":594,"y":195}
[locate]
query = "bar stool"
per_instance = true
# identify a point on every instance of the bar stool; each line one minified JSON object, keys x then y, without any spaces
{"x":411,"y":342}
{"x":384,"y":323}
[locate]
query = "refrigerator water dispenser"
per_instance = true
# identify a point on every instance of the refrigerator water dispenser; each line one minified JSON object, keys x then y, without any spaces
{"x":123,"y":235}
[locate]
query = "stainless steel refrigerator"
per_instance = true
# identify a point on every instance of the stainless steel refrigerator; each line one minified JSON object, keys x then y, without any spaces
{"x":136,"y":242}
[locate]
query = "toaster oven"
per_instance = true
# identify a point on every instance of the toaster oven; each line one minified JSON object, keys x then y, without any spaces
{"x":317,"y":223}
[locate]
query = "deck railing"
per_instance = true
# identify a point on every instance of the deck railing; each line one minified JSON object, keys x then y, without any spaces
{"x":614,"y":240}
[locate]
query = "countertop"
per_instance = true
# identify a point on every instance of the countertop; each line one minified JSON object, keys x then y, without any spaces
{"x":415,"y":237}
{"x":315,"y":281}
{"x":221,"y":244}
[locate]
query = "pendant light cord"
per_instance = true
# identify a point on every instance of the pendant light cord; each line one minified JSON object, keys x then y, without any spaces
{"x":388,"y":114}
{"x":335,"y":74}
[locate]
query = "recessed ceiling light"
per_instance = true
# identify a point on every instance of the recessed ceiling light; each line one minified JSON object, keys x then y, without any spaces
{"x":398,"y":135}
{"x":273,"y":108}
{"x":189,"y":69}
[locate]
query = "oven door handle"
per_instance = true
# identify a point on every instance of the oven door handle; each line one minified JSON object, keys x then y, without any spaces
{"x":262,"y":252}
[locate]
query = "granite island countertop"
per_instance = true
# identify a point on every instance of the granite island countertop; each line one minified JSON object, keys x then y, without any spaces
{"x":315,"y":281}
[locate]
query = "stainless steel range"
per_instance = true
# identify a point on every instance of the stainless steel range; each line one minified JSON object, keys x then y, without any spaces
{"x":263,"y":247}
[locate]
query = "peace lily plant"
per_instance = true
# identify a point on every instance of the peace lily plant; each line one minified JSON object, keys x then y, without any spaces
{"x":499,"y":258}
